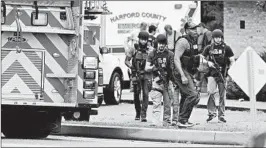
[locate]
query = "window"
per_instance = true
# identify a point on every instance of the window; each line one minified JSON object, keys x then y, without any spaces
{"x":118,"y":50}
{"x":3,"y":19}
{"x":41,"y":21}
{"x":89,"y":37}
{"x":3,"y":12}
{"x":242,"y":24}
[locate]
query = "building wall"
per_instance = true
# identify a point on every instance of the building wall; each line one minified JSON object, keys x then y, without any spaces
{"x":253,"y":35}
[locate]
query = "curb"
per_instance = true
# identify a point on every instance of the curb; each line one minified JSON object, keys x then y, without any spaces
{"x":233,"y":108}
{"x":152,"y":134}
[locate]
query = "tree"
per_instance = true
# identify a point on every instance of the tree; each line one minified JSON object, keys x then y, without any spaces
{"x":212,"y":14}
{"x":261,"y":6}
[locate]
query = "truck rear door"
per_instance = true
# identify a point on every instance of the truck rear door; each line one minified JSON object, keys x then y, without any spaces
{"x":22,"y":74}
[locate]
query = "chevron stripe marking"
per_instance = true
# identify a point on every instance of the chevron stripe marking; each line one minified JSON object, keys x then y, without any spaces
{"x":15,"y":91}
{"x":22,"y":87}
{"x":25,"y":18}
{"x":51,"y":49}
{"x":17,"y":69}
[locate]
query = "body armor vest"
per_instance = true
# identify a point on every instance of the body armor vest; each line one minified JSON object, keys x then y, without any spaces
{"x":161,"y":61}
{"x":139,"y":59}
{"x":188,"y":60}
{"x":218,"y":55}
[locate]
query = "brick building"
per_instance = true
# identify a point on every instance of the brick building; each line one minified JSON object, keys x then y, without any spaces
{"x":243,"y":26}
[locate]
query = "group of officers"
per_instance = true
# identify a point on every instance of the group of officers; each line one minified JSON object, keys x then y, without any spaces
{"x":169,"y":64}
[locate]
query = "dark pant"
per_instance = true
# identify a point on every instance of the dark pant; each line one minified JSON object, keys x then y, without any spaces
{"x":141,"y":105}
{"x":189,"y":98}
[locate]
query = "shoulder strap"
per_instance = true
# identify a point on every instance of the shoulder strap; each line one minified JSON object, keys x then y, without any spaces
{"x":154,"y":57}
{"x":136,"y":46}
{"x":175,"y":40}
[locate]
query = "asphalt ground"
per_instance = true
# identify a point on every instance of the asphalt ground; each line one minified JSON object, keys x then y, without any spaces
{"x":68,"y":141}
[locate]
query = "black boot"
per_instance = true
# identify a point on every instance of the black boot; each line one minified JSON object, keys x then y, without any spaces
{"x":137,"y":116}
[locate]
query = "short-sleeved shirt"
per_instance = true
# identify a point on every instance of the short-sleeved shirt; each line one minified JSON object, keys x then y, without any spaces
{"x":182,"y":46}
{"x":204,"y":39}
{"x":218,"y":51}
{"x":171,"y":40}
{"x":165,"y":60}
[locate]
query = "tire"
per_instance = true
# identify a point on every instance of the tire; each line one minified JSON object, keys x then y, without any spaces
{"x":31,"y":127}
{"x":29,"y":133}
{"x":113,"y":92}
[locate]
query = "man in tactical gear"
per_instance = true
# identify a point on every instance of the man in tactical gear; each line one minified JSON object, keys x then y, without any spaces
{"x":152,"y":32}
{"x":140,"y":78}
{"x":204,"y":39}
{"x":161,"y":62}
{"x":172,"y":37}
{"x":186,"y":61}
{"x":219,"y":58}
{"x":205,"y":36}
{"x":130,"y":41}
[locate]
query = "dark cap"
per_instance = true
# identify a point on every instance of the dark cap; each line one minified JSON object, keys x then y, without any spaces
{"x":190,"y":25}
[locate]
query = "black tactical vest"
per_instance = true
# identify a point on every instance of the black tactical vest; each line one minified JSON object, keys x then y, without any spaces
{"x":161,"y":60}
{"x":139,"y":58}
{"x":218,"y":54}
{"x":188,"y":59}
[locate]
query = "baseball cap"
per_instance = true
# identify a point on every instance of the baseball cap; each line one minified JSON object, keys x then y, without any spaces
{"x":190,"y":25}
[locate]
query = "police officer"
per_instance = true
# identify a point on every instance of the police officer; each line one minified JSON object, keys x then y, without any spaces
{"x":152,"y":32}
{"x":186,"y":61}
{"x":221,"y":57}
{"x":140,"y":78}
{"x":161,"y":62}
{"x":130,"y":41}
{"x":204,"y":39}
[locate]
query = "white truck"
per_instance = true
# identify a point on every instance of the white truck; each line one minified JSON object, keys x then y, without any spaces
{"x":125,"y":18}
{"x":46,"y":70}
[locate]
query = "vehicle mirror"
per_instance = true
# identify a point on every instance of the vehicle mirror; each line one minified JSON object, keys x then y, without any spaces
{"x":104,"y":50}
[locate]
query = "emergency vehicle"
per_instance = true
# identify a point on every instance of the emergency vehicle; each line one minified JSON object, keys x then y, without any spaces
{"x":114,"y":29}
{"x":109,"y":65}
{"x":46,"y":69}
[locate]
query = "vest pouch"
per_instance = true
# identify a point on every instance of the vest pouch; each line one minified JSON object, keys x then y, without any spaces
{"x":141,"y":74}
{"x":220,"y":60}
{"x":187,"y":62}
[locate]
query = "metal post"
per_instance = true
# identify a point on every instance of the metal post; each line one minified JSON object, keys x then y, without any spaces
{"x":1,"y":54}
{"x":1,"y":59}
{"x":252,"y":94}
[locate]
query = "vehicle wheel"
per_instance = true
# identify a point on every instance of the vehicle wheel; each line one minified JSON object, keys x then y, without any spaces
{"x":31,"y":127}
{"x":68,"y":116}
{"x":114,"y":91}
{"x":29,"y":133}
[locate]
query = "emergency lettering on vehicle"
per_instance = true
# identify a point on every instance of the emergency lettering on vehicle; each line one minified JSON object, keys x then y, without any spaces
{"x":137,"y":15}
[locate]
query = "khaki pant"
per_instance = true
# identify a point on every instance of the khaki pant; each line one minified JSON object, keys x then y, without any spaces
{"x":173,"y":92}
{"x":157,"y":97}
{"x":216,"y":97}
